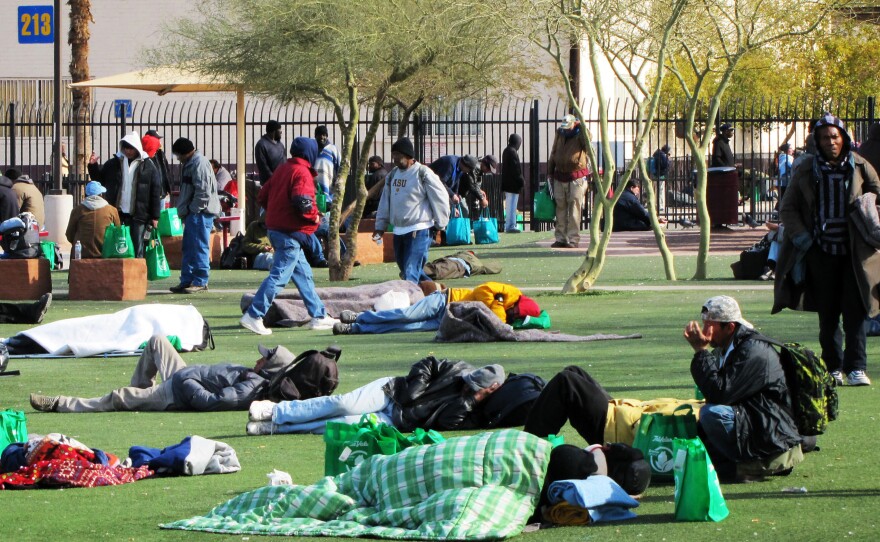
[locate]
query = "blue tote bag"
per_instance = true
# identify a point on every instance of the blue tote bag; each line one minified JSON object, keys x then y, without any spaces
{"x":486,"y":229}
{"x":458,"y":231}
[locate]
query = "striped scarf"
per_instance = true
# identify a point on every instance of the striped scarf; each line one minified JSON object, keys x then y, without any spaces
{"x":833,"y":187}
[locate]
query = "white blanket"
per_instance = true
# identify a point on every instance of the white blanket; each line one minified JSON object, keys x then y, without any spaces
{"x":125,"y":330}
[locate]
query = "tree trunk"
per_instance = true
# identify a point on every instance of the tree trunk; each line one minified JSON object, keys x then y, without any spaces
{"x":78,"y":38}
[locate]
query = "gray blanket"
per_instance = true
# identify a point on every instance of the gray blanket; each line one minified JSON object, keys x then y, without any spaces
{"x":472,"y":321}
{"x":288,"y":309}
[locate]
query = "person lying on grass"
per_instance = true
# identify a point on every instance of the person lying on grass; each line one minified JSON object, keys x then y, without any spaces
{"x":198,"y":387}
{"x":506,"y":301}
{"x":436,"y":394}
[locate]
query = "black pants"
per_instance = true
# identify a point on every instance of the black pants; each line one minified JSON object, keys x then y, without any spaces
{"x":574,"y":396}
{"x":136,"y":228}
{"x":18,"y":313}
{"x":833,"y":284}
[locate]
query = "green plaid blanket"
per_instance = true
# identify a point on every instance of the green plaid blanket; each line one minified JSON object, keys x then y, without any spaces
{"x":467,"y":488}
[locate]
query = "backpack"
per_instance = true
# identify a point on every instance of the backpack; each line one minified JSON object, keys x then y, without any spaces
{"x":652,"y":166}
{"x":20,"y":239}
{"x":509,"y":406}
{"x":813,"y":395}
{"x":311,"y":374}
{"x":233,"y":255}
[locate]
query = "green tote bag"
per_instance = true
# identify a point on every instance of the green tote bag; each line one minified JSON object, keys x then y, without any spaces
{"x":655,"y":434}
{"x":697,"y":490}
{"x":545,"y":207}
{"x":154,"y":254}
{"x":347,"y":445}
{"x":117,"y":242}
{"x":13,"y":427}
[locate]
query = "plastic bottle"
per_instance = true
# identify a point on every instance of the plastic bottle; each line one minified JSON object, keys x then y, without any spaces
{"x":77,"y":251}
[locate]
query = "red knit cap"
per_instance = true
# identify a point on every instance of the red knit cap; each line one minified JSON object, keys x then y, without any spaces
{"x":526,"y":306}
{"x":150,"y":144}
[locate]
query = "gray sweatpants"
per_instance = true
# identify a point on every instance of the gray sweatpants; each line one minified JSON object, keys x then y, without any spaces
{"x":144,"y":394}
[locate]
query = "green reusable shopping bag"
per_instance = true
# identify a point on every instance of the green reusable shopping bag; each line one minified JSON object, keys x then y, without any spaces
{"x":697,"y":490}
{"x":545,"y":207}
{"x":13,"y":428}
{"x":117,"y":242}
{"x":458,"y":230}
{"x":169,"y":223}
{"x":320,"y":198}
{"x":154,"y":254}
{"x":347,"y":445}
{"x":542,"y":321}
{"x":655,"y":434}
{"x":48,"y":249}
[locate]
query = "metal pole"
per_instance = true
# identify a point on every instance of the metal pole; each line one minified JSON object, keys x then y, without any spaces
{"x":56,"y":114}
{"x":12,"y":158}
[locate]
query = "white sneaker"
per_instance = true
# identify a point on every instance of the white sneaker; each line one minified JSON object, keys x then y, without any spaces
{"x":254,"y":324}
{"x":261,"y":411}
{"x":260,"y":428}
{"x":322,"y":323}
{"x":838,"y":378}
{"x":858,"y":378}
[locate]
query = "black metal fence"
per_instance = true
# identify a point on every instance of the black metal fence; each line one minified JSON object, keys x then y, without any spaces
{"x":470,"y":127}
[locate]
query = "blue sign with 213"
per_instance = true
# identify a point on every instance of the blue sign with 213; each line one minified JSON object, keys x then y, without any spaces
{"x":36,"y":24}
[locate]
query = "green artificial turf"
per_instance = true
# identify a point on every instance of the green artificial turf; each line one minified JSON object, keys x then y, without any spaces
{"x":841,"y":480}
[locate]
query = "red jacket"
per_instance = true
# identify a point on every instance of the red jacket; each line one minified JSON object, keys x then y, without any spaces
{"x":292,"y":178}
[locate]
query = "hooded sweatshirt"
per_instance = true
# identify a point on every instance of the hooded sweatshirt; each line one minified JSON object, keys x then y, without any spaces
{"x":30,"y":199}
{"x":133,"y":188}
{"x":8,"y":199}
{"x":87,"y":223}
{"x":289,"y":194}
{"x":511,"y":169}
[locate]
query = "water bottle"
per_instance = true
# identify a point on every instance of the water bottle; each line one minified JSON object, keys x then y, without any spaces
{"x":77,"y":251}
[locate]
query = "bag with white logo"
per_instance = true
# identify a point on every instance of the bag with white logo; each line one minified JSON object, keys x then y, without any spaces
{"x":655,"y":434}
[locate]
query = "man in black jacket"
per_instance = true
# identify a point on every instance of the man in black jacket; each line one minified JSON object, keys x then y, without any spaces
{"x":134,"y":187}
{"x":747,"y":423}
{"x":198,"y":387}
{"x":629,"y":213}
{"x":436,"y":394}
{"x":722,"y":156}
{"x":511,"y":181}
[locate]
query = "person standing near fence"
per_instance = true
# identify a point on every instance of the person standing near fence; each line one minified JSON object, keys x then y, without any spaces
{"x":134,"y":187}
{"x":197,"y":206}
{"x":661,"y":169}
{"x":722,"y":156}
{"x":783,"y":164}
{"x":568,"y":168}
{"x":511,"y":181}
{"x":152,"y":143}
{"x":269,"y":151}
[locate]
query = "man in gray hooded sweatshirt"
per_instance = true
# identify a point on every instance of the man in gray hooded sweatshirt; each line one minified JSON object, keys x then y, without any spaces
{"x":134,"y":187}
{"x":198,"y":387}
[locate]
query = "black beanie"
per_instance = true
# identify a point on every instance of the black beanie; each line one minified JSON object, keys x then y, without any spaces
{"x":321,"y":131}
{"x":182,"y":146}
{"x":404,"y":146}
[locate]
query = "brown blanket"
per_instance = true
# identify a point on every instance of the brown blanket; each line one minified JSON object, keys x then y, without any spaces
{"x":473,"y":321}
{"x":288,"y":309}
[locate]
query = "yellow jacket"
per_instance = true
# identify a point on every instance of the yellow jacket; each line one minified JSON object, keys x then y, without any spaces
{"x":623,"y":416}
{"x":487,"y":293}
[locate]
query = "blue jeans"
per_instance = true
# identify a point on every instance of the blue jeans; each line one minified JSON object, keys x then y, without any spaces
{"x":311,"y":415}
{"x":718,"y":425}
{"x":289,"y":263}
{"x":195,"y":260}
{"x":424,"y":315}
{"x":411,"y":254}
{"x":510,"y":201}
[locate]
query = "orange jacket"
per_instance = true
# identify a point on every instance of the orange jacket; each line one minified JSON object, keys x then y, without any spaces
{"x":499,"y":297}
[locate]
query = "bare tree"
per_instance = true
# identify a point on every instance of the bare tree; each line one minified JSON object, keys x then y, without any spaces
{"x":631,"y":38}
{"x":711,"y":38}
{"x":349,"y":56}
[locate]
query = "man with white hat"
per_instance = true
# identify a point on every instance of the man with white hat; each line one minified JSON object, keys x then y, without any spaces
{"x":436,"y":394}
{"x":748,"y":415}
